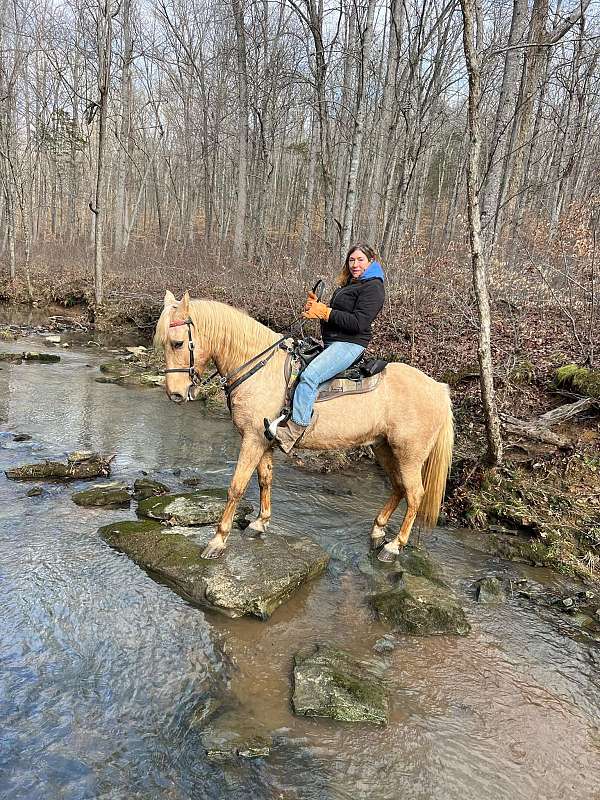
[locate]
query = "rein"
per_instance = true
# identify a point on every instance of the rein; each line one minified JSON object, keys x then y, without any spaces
{"x":224,"y":380}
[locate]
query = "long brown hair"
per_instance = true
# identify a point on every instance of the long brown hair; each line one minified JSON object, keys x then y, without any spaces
{"x":345,"y":276}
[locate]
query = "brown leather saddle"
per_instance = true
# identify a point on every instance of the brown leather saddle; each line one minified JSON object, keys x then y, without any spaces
{"x":362,"y":376}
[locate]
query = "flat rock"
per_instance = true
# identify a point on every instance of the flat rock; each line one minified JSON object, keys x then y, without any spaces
{"x":421,"y":607}
{"x":78,"y":466}
{"x":42,"y":358}
{"x":112,"y":495}
{"x":204,"y":507}
{"x":253,"y":577}
{"x":148,"y":487}
{"x":332,"y":683}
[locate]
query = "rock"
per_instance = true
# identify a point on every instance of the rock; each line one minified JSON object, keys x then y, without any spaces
{"x":78,"y":466}
{"x":52,"y":339}
{"x":253,"y":576}
{"x":13,"y":358}
{"x":192,"y":481}
{"x":196,"y":508}
{"x":233,"y":735}
{"x":140,"y":350}
{"x":21,"y":437}
{"x":332,"y":683}
{"x":386,"y":644}
{"x":147,"y":487}
{"x":42,"y":358}
{"x":35,"y":491}
{"x":113,"y":495}
{"x":420,"y":607}
{"x":568,"y":602}
{"x":130,"y":373}
{"x":489,"y":591}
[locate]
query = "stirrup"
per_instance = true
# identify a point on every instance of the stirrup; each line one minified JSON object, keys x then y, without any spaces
{"x":271,"y":427}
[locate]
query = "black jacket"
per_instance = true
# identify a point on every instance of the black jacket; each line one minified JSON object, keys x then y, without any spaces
{"x":353,"y":309}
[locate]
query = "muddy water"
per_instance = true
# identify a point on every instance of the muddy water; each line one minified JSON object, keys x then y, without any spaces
{"x":102,"y":669}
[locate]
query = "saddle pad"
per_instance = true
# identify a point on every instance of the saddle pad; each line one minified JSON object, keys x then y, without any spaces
{"x":337,"y":387}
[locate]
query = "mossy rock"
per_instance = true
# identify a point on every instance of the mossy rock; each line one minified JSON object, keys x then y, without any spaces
{"x":79,"y":466}
{"x":194,"y":508}
{"x":110,"y":495}
{"x":489,"y":591}
{"x":581,"y":379}
{"x":143,"y":488}
{"x":41,"y":358}
{"x":12,"y":358}
{"x":333,"y":683}
{"x":129,"y":373}
{"x":420,"y":607}
{"x":252,"y":577}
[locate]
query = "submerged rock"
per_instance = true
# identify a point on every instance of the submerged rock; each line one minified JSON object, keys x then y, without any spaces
{"x":421,"y":607}
{"x":79,"y":466}
{"x":386,"y":644}
{"x":114,"y":495}
{"x":21,"y":437}
{"x":233,"y":735}
{"x":254,"y":576}
{"x":35,"y":491}
{"x":489,"y":591}
{"x":131,"y":373}
{"x":194,"y":508}
{"x":333,"y":683}
{"x":147,"y":487}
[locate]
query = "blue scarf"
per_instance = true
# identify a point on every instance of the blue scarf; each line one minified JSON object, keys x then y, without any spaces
{"x":374,"y":270}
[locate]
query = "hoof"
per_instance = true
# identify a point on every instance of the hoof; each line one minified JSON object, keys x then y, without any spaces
{"x":258,"y":526}
{"x":377,"y":542}
{"x":214,"y":549}
{"x":387,"y":554}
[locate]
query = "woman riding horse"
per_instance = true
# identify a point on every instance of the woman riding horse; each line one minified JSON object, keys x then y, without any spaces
{"x":346,"y":331}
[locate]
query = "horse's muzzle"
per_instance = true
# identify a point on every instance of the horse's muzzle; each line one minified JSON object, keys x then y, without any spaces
{"x":177,"y":398}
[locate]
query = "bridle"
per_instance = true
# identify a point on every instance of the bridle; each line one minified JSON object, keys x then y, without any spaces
{"x":224,"y":380}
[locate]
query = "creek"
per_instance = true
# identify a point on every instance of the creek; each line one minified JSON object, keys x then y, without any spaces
{"x":102,"y":669}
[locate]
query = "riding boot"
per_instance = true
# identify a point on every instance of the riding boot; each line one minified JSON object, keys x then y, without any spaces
{"x":289,"y":434}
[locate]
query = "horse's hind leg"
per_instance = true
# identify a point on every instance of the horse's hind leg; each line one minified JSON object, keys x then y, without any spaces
{"x":410,"y":475}
{"x":264,"y":471}
{"x":385,"y":456}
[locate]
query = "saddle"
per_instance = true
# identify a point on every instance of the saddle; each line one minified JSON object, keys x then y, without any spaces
{"x":361,"y":376}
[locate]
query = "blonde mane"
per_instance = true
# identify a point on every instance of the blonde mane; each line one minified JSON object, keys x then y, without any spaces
{"x":234,"y":333}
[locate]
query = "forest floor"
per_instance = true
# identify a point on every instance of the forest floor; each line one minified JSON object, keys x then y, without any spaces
{"x":543,"y":504}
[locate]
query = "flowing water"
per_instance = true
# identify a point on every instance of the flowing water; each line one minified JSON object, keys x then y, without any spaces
{"x":102,"y":669}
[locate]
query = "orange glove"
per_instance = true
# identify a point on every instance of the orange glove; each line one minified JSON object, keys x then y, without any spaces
{"x":317,"y":311}
{"x":310,"y":300}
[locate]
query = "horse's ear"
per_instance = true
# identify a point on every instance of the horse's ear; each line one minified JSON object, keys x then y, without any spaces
{"x":169,"y":298}
{"x":185,"y":304}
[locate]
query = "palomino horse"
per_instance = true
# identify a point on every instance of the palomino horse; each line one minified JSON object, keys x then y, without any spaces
{"x":407,"y":418}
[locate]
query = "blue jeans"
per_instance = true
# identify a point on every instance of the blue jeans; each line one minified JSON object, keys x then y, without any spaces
{"x":336,"y":357}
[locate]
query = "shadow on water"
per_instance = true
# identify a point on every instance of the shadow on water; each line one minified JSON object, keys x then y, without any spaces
{"x":102,"y":669}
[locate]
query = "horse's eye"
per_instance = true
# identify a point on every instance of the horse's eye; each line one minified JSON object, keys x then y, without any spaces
{"x":177,"y":345}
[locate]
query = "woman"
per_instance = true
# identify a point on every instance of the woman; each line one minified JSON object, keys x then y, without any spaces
{"x":346,"y":331}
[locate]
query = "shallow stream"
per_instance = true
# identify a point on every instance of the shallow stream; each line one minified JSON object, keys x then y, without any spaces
{"x":102,"y":669}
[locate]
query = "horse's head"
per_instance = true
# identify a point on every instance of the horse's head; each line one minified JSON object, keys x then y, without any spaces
{"x":185,"y":353}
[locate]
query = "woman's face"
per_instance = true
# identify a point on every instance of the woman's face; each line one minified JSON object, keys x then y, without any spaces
{"x":357,"y":263}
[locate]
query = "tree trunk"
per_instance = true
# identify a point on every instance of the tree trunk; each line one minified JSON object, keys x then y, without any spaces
{"x":484,"y":351}
{"x":242,"y":175}
{"x":366,"y":37}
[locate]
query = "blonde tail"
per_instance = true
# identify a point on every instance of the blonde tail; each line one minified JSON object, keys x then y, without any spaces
{"x":436,"y":469}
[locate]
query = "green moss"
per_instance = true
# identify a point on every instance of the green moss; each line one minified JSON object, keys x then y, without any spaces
{"x":582,"y":380}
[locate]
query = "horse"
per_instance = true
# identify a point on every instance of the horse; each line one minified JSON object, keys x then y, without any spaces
{"x":407,"y":419}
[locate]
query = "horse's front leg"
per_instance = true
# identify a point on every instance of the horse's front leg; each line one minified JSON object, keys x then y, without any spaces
{"x":265,"y":479}
{"x":251,"y":453}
